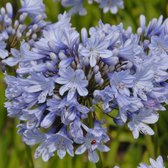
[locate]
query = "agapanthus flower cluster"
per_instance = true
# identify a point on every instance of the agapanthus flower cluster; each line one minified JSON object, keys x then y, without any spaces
{"x":77,"y":6}
{"x":66,"y":77}
{"x":158,"y":163}
{"x":21,"y":26}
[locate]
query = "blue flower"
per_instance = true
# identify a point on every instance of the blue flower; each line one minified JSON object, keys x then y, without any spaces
{"x":67,"y":110}
{"x":21,"y":55}
{"x":139,"y":121}
{"x":107,"y":5}
{"x":160,"y":93}
{"x":121,"y":82}
{"x":76,"y":130}
{"x":72,"y":81}
{"x":37,"y":83}
{"x":143,"y":82}
{"x":32,"y":137}
{"x":13,"y":90}
{"x":76,"y":6}
{"x":94,"y":48}
{"x":159,"y":66}
{"x":93,"y":140}
{"x":153,"y":104}
{"x":58,"y":37}
{"x":159,"y":44}
{"x":127,"y":104}
{"x":59,"y":142}
{"x":158,"y":163}
{"x":107,"y":98}
{"x":33,"y":7}
{"x":73,"y":111}
{"x":111,"y":5}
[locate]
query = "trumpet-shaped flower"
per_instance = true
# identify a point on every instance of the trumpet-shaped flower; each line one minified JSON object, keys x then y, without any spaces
{"x":93,"y":140}
{"x":140,"y":120}
{"x":95,"y":47}
{"x":33,"y":7}
{"x":59,"y":142}
{"x":73,"y":81}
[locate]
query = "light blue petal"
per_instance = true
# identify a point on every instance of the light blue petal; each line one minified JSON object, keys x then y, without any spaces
{"x":3,"y":53}
{"x":61,"y":80}
{"x":32,"y":89}
{"x":69,"y":148}
{"x":42,"y":96}
{"x":82,"y":91}
{"x":93,"y":60}
{"x":11,"y":61}
{"x":82,"y":108}
{"x":63,"y":89}
{"x":80,"y":150}
{"x":61,"y":153}
{"x":93,"y":156}
{"x":67,"y":73}
{"x":84,"y":35}
{"x":103,"y":148}
{"x":105,"y":53}
{"x":48,"y":120}
{"x":71,"y":93}
{"x":45,"y":156}
{"x":66,"y":62}
{"x":84,"y":51}
{"x":79,"y":74}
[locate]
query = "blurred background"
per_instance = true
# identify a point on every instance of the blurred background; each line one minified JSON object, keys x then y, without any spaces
{"x":125,"y":151}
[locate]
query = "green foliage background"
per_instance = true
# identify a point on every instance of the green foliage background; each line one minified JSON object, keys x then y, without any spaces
{"x":125,"y":151}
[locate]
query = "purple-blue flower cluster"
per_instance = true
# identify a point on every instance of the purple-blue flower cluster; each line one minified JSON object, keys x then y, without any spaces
{"x":77,"y":6}
{"x":66,"y":76}
{"x":158,"y":163}
{"x":14,"y":28}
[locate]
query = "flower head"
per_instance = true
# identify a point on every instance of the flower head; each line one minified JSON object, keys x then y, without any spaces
{"x":62,"y":80}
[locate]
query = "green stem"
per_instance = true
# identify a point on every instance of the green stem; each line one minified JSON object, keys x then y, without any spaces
{"x":29,"y":154}
{"x":99,"y":164}
{"x":156,"y":142}
{"x":149,"y":145}
{"x":112,"y":154}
